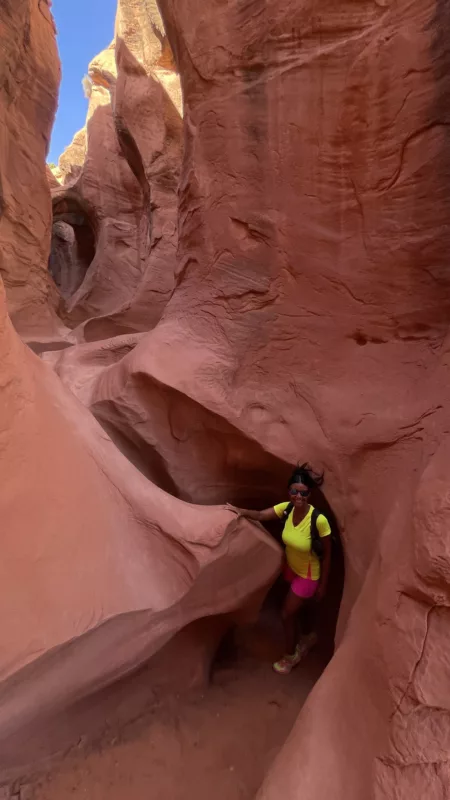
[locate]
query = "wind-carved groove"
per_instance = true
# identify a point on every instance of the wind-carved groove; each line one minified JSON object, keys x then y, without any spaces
{"x":390,"y":183}
{"x":133,"y":157}
{"x":131,"y":153}
{"x":413,"y":672}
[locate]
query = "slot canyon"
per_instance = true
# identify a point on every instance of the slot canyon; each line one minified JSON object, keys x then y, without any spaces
{"x":240,"y":263}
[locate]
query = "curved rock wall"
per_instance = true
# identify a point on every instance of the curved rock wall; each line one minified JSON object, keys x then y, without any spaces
{"x":310,"y":315}
{"x":127,"y":179}
{"x":28,"y":96}
{"x":306,"y":316}
{"x":99,"y":568}
{"x":313,"y":271}
{"x":315,"y":257}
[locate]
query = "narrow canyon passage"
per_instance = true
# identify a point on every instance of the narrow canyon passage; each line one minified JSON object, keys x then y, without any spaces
{"x":218,"y":740}
{"x":239,"y":264}
{"x":215,"y":743}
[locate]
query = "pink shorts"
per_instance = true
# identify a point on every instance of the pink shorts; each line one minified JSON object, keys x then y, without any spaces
{"x":302,"y":587}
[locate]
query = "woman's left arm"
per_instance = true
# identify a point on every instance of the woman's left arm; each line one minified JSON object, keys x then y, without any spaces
{"x":325,"y":567}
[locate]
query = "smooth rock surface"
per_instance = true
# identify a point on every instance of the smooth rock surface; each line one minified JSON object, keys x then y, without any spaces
{"x":99,"y":567}
{"x":310,"y":318}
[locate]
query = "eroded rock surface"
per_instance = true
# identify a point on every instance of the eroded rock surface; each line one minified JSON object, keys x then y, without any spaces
{"x":71,"y":161}
{"x":28,"y":94}
{"x":123,"y":170}
{"x":310,"y":318}
{"x":100,"y":569}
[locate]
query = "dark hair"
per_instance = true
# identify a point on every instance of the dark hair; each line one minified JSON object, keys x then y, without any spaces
{"x":304,"y":473}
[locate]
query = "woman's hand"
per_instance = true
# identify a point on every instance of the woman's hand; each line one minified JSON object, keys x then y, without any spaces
{"x":257,"y":516}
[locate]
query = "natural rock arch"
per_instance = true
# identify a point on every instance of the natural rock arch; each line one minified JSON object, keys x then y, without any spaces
{"x":73,"y":244}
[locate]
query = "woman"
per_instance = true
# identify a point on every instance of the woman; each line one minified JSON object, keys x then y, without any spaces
{"x":306,"y":573}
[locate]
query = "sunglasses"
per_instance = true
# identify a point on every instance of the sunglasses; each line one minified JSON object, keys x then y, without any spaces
{"x":301,"y":492}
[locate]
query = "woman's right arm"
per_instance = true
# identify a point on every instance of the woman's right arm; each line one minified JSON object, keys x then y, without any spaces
{"x":259,"y":516}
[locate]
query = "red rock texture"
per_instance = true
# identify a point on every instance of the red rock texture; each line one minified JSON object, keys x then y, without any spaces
{"x":315,"y":262}
{"x":111,"y":567}
{"x":310,"y":319}
{"x":28,"y":96}
{"x":100,"y":569}
{"x":107,"y":198}
{"x":124,"y":184}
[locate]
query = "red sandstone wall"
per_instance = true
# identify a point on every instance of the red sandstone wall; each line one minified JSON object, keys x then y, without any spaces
{"x":309,"y":319}
{"x":28,"y":96}
{"x":99,"y":568}
{"x":311,"y":315}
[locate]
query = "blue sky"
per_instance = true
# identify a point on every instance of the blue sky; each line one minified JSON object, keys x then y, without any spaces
{"x":85,"y":27}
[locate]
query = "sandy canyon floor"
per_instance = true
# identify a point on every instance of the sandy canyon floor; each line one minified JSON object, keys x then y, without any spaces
{"x":215,"y":743}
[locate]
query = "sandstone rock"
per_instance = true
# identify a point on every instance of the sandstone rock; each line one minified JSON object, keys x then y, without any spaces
{"x":103,"y":71}
{"x":71,"y":161}
{"x":28,"y":93}
{"x":72,"y":250}
{"x":100,"y":570}
{"x":108,"y":198}
{"x":310,"y":319}
{"x":102,"y":74}
{"x":52,"y":179}
{"x":147,"y":112}
{"x":139,"y":27}
{"x":126,"y":182}
{"x":111,"y":567}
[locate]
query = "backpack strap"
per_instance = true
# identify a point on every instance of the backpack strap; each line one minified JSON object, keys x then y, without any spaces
{"x":314,"y":517}
{"x":316,"y":541}
{"x":287,"y":511}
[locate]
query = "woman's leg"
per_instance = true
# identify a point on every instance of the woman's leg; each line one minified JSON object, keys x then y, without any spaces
{"x":289,"y":613}
{"x":308,"y":618}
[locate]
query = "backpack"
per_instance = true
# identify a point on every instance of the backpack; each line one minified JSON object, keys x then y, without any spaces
{"x":316,"y":541}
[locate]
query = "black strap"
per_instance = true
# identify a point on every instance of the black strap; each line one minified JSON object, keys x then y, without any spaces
{"x":316,"y":541}
{"x":287,"y":510}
